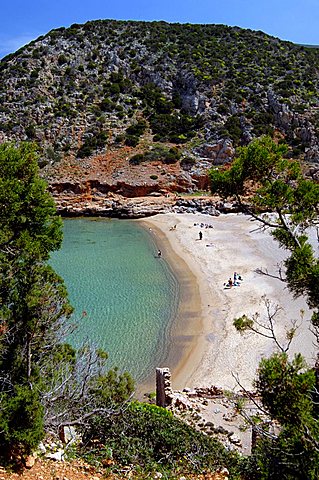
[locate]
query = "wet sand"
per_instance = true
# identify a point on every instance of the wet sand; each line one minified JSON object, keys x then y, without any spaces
{"x":205,"y":348}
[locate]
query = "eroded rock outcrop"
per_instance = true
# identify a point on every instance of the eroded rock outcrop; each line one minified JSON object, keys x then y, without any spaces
{"x":210,"y":410}
{"x":219,"y":153}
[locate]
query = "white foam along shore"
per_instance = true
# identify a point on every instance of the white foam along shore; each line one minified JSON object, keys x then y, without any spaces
{"x":214,"y":351}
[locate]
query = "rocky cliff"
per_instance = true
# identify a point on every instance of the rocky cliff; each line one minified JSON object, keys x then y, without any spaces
{"x":137,"y":108}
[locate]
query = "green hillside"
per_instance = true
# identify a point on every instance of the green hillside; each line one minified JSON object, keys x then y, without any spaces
{"x":83,"y":89}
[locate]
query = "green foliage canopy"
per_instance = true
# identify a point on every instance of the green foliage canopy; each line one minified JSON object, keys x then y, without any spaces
{"x":292,"y":200}
{"x":288,"y":388}
{"x":33,"y":298}
{"x":42,"y":379}
{"x":151,"y":438}
{"x":288,"y":392}
{"x":28,"y":222}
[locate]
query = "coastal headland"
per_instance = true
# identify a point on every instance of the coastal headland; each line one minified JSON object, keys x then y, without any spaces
{"x":205,"y":347}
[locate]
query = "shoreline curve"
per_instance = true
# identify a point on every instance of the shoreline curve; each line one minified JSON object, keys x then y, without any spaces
{"x":205,"y":348}
{"x":184,"y":332}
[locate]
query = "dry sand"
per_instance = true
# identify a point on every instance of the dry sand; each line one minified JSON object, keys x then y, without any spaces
{"x":205,"y":347}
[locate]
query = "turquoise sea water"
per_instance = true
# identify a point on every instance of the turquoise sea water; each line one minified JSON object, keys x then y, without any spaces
{"x":124,"y":297}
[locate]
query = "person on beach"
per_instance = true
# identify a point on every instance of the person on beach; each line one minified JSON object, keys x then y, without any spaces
{"x":237,"y":279}
{"x":200,"y":235}
{"x":159,"y":253}
{"x":230,"y":282}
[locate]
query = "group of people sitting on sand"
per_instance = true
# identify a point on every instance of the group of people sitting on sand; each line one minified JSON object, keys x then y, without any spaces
{"x":234,"y":282}
{"x":203,"y":225}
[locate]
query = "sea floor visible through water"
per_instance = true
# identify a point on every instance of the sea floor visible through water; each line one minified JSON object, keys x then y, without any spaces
{"x":125,"y":297}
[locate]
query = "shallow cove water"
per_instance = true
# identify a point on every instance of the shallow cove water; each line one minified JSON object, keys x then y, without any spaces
{"x":124,"y":296}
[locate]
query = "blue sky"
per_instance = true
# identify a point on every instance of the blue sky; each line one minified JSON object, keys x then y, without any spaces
{"x":24,"y":20}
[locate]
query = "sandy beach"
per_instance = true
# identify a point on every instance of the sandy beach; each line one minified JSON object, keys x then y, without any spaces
{"x":205,"y":347}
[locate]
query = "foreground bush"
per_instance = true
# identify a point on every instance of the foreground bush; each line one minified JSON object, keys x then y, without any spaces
{"x":151,"y":438}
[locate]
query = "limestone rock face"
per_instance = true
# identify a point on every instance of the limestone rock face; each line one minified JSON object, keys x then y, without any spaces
{"x":219,"y":153}
{"x":312,"y":154}
{"x":78,"y":92}
{"x":58,"y":455}
{"x":118,"y":206}
{"x":296,"y":126}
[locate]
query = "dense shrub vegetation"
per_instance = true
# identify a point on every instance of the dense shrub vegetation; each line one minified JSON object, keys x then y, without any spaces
{"x":152,"y":439}
{"x":158,"y":152}
{"x":180,"y":81}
